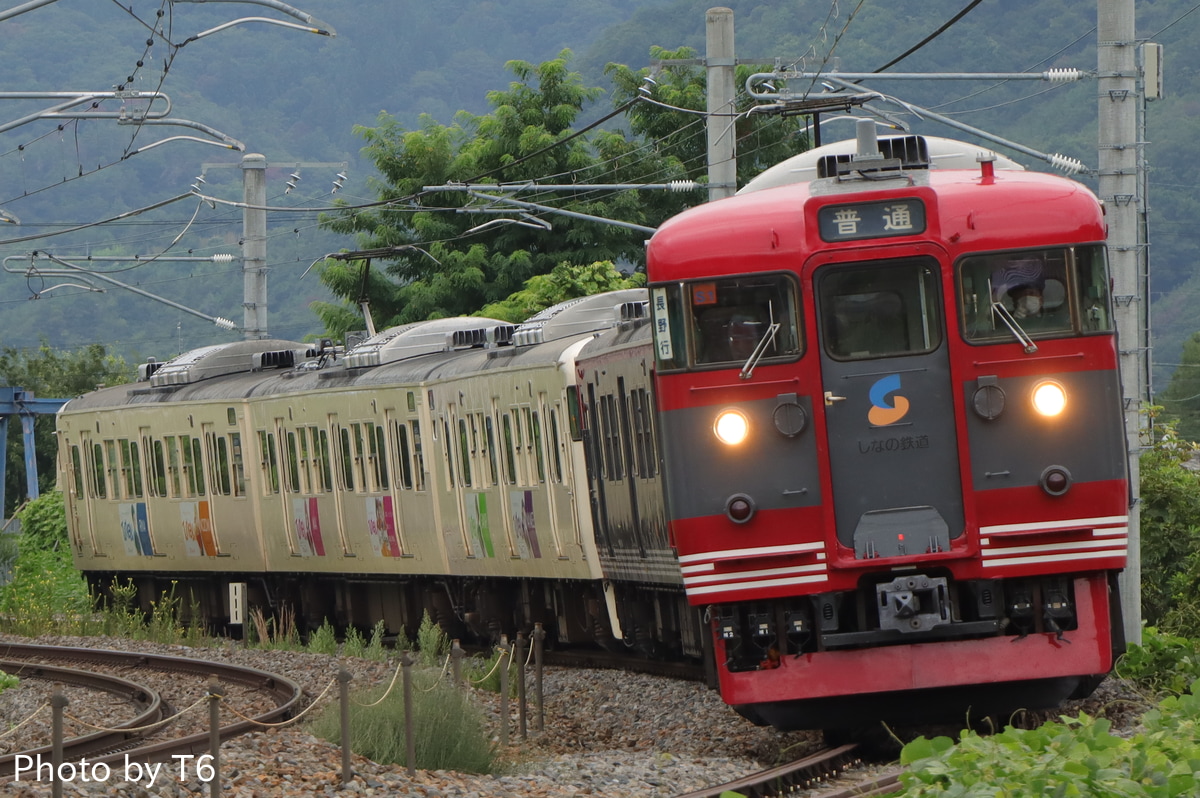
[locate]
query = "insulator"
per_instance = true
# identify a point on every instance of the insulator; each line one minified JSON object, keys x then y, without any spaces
{"x":682,"y":185}
{"x":222,"y":258}
{"x":1067,"y":164}
{"x":1062,"y":75}
{"x":224,"y":324}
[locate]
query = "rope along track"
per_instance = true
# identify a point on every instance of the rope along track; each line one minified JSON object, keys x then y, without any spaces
{"x":113,"y":746}
{"x":804,"y":774}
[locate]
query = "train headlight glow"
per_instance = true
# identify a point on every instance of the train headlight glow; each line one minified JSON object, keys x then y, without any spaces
{"x":731,"y":427}
{"x":1049,"y":399}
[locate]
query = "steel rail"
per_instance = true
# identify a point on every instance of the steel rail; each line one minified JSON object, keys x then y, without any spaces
{"x":285,"y":693}
{"x":150,"y":704}
{"x":787,"y":779}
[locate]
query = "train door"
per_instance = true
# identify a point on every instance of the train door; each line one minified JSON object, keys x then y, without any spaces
{"x":889,"y":406}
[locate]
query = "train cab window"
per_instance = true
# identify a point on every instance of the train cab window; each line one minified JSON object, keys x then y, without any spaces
{"x":881,"y":309}
{"x":727,"y":321}
{"x":1046,"y":293}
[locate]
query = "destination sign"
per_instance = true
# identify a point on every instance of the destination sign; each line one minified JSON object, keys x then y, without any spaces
{"x":900,"y":217}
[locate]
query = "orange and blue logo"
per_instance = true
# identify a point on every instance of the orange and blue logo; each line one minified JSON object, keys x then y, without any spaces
{"x":887,"y":406}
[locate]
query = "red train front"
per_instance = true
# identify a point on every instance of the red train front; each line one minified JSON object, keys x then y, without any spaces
{"x":892,"y":435}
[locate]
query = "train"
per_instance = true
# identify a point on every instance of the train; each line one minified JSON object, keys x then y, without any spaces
{"x":857,"y":447}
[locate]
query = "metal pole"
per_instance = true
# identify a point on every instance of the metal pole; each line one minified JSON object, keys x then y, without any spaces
{"x":522,"y":725}
{"x":254,"y":245}
{"x":58,"y":703}
{"x":344,"y":697}
{"x":1116,"y":48}
{"x":505,"y":661}
{"x":410,"y":723}
{"x":539,"y":638}
{"x":214,"y":735}
{"x":720,"y":63}
{"x":456,"y":658}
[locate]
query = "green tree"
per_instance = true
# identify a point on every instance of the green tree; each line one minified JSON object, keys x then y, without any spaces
{"x":450,"y":253}
{"x":1181,"y":399}
{"x":50,"y":374}
{"x":1170,"y":533}
{"x":565,"y":282}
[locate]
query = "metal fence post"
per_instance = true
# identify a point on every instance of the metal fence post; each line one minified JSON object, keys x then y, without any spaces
{"x":58,"y":703}
{"x":410,"y":734}
{"x":539,"y":638}
{"x":456,"y":658}
{"x":521,"y":723}
{"x":505,"y":661}
{"x":213,"y":688}
{"x":344,"y":678}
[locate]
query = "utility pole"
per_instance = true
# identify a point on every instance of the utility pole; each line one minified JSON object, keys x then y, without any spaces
{"x":1120,"y":190}
{"x":720,"y":62}
{"x":254,"y":245}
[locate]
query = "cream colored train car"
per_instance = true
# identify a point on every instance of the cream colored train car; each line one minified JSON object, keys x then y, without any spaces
{"x":436,"y":467}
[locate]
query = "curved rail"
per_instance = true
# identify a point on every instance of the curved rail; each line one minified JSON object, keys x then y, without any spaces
{"x":284,"y":692}
{"x":148,"y":701}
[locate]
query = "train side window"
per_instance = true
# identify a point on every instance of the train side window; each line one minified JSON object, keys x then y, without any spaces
{"x":218,"y":453}
{"x":345,"y":458}
{"x":76,"y":472}
{"x":158,"y":470}
{"x":510,"y":467}
{"x":292,"y":460}
{"x":114,"y":471}
{"x":880,"y":309}
{"x":535,"y":435}
{"x":418,"y":457}
{"x":98,"y":477}
{"x":174,"y":466}
{"x":448,"y":451}
{"x":268,"y":461}
{"x":555,"y":447}
{"x":323,"y":469}
{"x":489,"y":429}
{"x":464,"y":444}
{"x":1045,"y":293}
{"x":403,"y":456}
{"x":236,"y":464}
{"x":195,"y":467}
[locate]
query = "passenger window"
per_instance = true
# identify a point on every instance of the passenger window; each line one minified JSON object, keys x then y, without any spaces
{"x":881,"y":309}
{"x":1046,"y":293}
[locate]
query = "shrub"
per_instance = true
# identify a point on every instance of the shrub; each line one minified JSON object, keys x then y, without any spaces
{"x":450,"y":733}
{"x":324,"y":639}
{"x":1163,"y":664}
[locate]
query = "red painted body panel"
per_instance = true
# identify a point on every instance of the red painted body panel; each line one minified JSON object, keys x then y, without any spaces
{"x":888,"y":669}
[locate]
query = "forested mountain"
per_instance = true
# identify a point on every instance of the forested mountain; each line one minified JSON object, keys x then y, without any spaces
{"x":295,"y":97}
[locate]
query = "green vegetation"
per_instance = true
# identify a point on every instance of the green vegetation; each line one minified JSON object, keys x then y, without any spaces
{"x":452,"y":732}
{"x":1076,"y":756}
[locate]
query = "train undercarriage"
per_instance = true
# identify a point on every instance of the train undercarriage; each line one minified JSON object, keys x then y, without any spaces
{"x":646,"y":619}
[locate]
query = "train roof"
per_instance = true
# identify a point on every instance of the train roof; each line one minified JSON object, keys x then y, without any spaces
{"x":942,"y":153}
{"x":979,"y":207}
{"x":410,"y":354}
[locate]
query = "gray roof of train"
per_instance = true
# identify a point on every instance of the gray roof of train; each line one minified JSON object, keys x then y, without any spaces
{"x":431,"y":366}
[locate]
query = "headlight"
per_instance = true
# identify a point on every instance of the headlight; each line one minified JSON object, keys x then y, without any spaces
{"x":1049,"y":398}
{"x":731,"y":427}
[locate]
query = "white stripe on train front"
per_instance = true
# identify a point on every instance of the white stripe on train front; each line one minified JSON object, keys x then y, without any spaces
{"x":736,"y":586}
{"x":1070,"y":523}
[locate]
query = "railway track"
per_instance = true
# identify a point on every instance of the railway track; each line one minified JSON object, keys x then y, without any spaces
{"x":804,"y":774}
{"x":140,"y":738}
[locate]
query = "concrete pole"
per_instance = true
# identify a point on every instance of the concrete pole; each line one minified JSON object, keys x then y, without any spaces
{"x":254,"y":246}
{"x":1119,"y":187}
{"x":720,"y":62}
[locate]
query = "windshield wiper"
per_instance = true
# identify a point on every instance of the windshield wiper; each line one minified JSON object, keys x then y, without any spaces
{"x":757,"y":354}
{"x":1015,"y":328}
